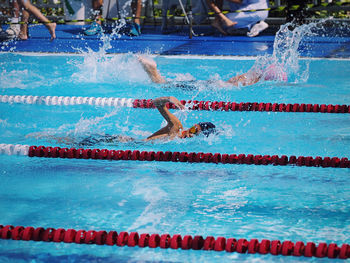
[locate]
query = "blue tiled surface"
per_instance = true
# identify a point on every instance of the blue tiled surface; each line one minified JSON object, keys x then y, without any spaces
{"x":70,"y":39}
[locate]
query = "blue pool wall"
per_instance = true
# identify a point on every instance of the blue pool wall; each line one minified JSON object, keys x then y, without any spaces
{"x":70,"y":39}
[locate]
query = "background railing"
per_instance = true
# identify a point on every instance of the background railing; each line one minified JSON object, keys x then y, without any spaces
{"x":154,"y":9}
{"x":52,"y":9}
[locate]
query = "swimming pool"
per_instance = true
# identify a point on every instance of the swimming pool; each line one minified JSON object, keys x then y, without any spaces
{"x":308,"y":204}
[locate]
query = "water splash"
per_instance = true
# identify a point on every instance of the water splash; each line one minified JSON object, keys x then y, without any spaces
{"x":182,"y":77}
{"x":282,"y":64}
{"x":70,"y":133}
{"x":285,"y":58}
{"x":10,"y":79}
{"x":153,"y":214}
{"x":97,"y":67}
{"x":85,"y":125}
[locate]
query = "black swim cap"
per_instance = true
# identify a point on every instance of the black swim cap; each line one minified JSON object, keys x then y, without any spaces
{"x":207,"y":128}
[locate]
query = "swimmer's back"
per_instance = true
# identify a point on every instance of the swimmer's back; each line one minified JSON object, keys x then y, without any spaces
{"x":104,"y":139}
{"x":188,"y":84}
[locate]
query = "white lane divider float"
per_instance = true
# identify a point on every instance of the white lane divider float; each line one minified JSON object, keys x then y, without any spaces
{"x":64,"y":100}
{"x":14,"y":149}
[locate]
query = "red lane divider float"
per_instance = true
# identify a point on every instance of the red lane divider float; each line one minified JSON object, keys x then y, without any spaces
{"x":274,"y":247}
{"x":192,"y":157}
{"x":249,"y":106}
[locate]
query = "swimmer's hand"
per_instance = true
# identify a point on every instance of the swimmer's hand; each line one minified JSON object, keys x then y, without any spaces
{"x":177,"y":103}
{"x":160,"y":102}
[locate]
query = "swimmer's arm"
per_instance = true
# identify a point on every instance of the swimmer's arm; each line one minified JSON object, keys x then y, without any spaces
{"x":160,"y":103}
{"x":174,"y":124}
{"x":161,"y":134}
{"x":245,"y":79}
{"x":150,"y":67}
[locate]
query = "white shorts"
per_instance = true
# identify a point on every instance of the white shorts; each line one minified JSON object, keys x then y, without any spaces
{"x":247,"y":19}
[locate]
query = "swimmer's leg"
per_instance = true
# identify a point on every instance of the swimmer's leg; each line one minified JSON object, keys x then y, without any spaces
{"x":49,"y":137}
{"x":150,"y":67}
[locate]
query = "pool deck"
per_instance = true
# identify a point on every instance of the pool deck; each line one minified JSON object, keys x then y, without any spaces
{"x":70,"y":39}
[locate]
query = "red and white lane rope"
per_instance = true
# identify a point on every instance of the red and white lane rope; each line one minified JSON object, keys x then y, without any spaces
{"x":191,"y":105}
{"x":265,"y":246}
{"x":192,"y":157}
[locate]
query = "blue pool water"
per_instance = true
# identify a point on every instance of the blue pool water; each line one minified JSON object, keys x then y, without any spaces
{"x":243,"y":201}
{"x":286,"y":203}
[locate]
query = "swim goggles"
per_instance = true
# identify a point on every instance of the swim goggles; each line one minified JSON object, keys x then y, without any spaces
{"x":193,"y":129}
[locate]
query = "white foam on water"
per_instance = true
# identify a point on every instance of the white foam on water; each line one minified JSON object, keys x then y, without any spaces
{"x":98,"y":68}
{"x":10,"y":79}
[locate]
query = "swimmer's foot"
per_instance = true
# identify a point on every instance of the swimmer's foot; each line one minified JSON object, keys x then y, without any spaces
{"x":52,"y":29}
{"x":150,"y":67}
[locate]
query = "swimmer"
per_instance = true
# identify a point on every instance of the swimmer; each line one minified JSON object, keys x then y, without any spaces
{"x":173,"y":129}
{"x":249,"y":78}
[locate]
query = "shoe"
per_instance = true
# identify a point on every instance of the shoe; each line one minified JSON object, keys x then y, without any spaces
{"x":14,"y":29}
{"x":257,"y":28}
{"x":135,"y":30}
{"x":4,"y":36}
{"x":94,"y":29}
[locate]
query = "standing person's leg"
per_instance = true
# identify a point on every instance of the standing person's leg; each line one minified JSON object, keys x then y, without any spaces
{"x":136,"y":7}
{"x":15,"y":8}
{"x":137,"y":12}
{"x":26,"y":4}
{"x":220,"y":18}
{"x":14,"y":29}
{"x":23,"y":34}
{"x":95,"y":27}
{"x":97,"y":5}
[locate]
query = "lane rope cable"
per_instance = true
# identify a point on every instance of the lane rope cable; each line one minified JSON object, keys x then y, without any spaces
{"x":274,"y":247}
{"x":168,"y":156}
{"x":190,"y":105}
